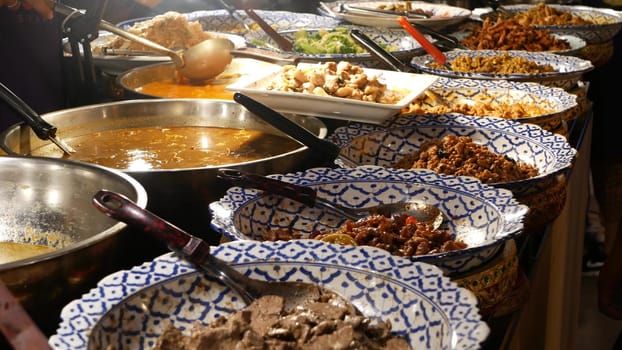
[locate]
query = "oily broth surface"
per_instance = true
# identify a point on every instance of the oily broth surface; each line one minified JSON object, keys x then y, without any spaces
{"x":171,"y":147}
{"x":12,"y":251}
{"x":173,"y":87}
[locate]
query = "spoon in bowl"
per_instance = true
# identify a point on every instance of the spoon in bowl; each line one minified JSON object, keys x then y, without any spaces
{"x":199,"y":62}
{"x":420,"y":211}
{"x":197,"y":251}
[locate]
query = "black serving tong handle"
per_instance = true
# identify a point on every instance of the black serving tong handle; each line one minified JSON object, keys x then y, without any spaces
{"x":43,"y":129}
{"x":290,"y":128}
{"x":302,"y":194}
{"x":379,"y":53}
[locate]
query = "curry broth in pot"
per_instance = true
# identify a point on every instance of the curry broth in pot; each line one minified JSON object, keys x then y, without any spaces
{"x":175,"y":147}
{"x":161,"y":80}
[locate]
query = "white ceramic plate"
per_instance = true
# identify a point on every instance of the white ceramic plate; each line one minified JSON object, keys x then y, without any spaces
{"x":128,"y":309}
{"x":412,"y":85}
{"x":444,"y":15}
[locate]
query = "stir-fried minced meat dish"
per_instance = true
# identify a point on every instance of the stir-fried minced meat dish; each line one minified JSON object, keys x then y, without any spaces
{"x":401,"y":235}
{"x":326,"y":323}
{"x":461,"y":156}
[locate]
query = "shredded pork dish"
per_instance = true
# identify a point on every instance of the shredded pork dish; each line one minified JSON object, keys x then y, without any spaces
{"x":326,"y":323}
{"x":341,"y":79}
{"x":508,"y":34}
{"x":461,"y":156}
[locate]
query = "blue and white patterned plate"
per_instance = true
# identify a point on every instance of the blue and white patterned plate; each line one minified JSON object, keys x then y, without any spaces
{"x":482,"y":216}
{"x":608,"y":22}
{"x":384,"y":145}
{"x":217,"y":21}
{"x":398,"y":42}
{"x":129,"y":309}
{"x":560,"y":104}
{"x":568,"y":69}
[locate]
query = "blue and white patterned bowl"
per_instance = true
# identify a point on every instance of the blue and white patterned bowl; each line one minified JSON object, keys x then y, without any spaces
{"x":480,"y":215}
{"x":568,"y":69}
{"x":608,"y":22}
{"x":400,"y":44}
{"x":561,"y":104}
{"x":383,"y":145}
{"x":129,"y":309}
{"x":217,"y":21}
{"x":221,"y":21}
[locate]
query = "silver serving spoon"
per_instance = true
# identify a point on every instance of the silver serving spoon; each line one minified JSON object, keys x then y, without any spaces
{"x":199,"y":62}
{"x":197,"y":251}
{"x":421,"y":211}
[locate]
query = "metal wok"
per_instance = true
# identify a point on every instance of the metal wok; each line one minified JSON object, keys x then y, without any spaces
{"x":48,"y":202}
{"x":178,"y":195}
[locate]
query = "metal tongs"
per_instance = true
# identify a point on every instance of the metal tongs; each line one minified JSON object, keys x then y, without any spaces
{"x":372,"y":11}
{"x":234,"y":14}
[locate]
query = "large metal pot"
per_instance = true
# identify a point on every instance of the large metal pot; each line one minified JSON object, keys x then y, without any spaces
{"x":181,"y":196}
{"x":48,"y":201}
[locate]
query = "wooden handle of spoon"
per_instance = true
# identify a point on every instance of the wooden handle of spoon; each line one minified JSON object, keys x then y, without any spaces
{"x":437,"y":54}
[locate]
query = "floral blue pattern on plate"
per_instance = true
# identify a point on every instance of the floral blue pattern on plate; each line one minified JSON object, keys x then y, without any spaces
{"x":559,"y":105}
{"x":400,"y":44}
{"x":568,"y":69}
{"x":128,"y":309}
{"x":480,"y":215}
{"x":217,"y":21}
{"x":384,"y":145}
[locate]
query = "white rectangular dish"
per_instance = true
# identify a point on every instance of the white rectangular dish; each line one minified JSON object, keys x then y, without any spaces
{"x":410,"y":85}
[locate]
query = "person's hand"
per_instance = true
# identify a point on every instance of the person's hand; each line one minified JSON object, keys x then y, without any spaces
{"x":44,"y":7}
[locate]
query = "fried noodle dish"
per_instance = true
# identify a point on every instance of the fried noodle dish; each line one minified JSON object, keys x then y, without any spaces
{"x":497,"y":64}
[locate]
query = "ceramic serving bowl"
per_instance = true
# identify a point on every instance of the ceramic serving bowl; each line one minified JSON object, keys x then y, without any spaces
{"x":130,"y":308}
{"x":527,"y":143}
{"x":524,"y":102}
{"x":384,"y":145}
{"x":606,"y":22}
{"x":568,"y":70}
{"x":482,"y":216}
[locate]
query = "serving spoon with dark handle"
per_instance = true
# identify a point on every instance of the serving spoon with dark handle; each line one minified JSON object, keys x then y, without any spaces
{"x":197,"y":251}
{"x":422,"y":212}
{"x":43,"y":130}
{"x":328,"y":149}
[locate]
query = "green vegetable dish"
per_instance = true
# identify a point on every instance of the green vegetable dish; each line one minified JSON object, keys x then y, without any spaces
{"x":335,"y":41}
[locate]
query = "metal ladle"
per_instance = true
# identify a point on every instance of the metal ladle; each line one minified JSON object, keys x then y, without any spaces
{"x":197,"y":251}
{"x":421,"y":211}
{"x":202,"y":61}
